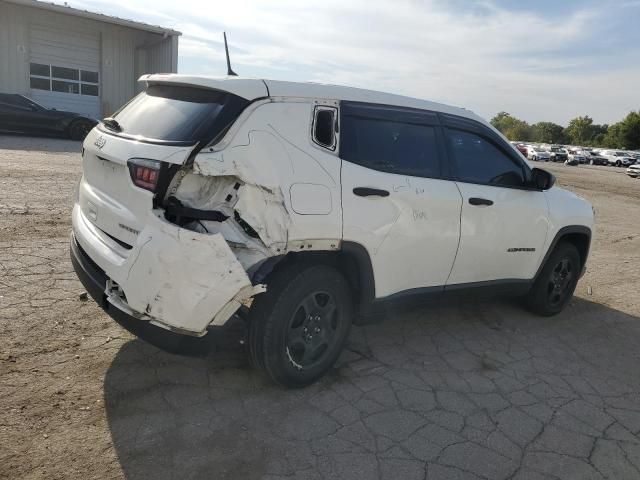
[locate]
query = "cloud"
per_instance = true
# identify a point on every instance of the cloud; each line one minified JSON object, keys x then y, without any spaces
{"x":479,"y":55}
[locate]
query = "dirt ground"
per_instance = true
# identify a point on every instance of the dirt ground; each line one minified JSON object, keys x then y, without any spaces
{"x":466,"y":391}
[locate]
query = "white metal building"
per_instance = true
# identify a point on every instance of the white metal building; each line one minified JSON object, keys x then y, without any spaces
{"x":78,"y":61}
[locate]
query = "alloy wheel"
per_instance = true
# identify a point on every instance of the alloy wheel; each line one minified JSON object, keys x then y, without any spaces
{"x":312,"y":330}
{"x":560,"y":281}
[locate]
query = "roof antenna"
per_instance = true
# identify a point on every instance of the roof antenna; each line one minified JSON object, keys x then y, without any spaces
{"x":230,"y":72}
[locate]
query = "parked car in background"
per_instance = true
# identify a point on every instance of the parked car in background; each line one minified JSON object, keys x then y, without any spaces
{"x":19,"y":114}
{"x":634,"y":170}
{"x":557,"y":153}
{"x":618,"y":158}
{"x":594,"y":158}
{"x":579,"y":155}
{"x":521,"y":147}
{"x":537,"y":154}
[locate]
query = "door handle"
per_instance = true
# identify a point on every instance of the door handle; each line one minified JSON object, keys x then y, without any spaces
{"x":370,"y":192}
{"x":480,"y":201}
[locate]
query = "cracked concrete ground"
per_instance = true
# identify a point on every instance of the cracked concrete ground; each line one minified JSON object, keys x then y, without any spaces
{"x":444,"y":392}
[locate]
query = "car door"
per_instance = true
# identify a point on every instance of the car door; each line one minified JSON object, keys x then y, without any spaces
{"x":504,"y":223}
{"x":38,"y":119}
{"x":396,"y":201}
{"x":13,"y":113}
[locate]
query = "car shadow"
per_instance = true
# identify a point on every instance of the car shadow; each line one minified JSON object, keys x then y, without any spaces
{"x":51,"y":144}
{"x":215,"y":417}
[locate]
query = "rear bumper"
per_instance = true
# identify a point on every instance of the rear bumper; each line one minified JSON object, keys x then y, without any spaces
{"x":173,"y":278}
{"x":94,"y":281}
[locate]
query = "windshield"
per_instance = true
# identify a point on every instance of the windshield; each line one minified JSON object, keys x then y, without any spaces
{"x":178,"y":114}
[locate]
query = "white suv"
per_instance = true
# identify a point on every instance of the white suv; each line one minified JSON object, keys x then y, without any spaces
{"x":618,"y":158}
{"x":305,"y":208}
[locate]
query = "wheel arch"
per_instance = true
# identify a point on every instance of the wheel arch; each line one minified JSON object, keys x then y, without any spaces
{"x":352,"y":260}
{"x":577,"y":235}
{"x":72,"y":122}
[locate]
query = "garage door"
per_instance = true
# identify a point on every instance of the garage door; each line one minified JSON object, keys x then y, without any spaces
{"x":64,"y":70}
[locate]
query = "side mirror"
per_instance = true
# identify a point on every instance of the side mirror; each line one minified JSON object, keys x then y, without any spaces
{"x":541,"y":179}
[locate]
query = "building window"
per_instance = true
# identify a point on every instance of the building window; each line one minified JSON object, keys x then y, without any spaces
{"x":64,"y":79}
{"x":40,"y":70}
{"x":40,"y":83}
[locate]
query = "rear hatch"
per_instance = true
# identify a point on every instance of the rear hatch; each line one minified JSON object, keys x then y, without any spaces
{"x":129,"y":160}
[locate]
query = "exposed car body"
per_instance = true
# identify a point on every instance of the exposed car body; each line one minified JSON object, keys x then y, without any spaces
{"x":268,"y":190}
{"x":19,"y":114}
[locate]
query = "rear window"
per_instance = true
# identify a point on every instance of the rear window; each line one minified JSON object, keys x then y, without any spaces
{"x":176,"y":114}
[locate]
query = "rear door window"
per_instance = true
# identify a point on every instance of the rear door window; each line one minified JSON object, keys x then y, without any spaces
{"x":178,"y":114}
{"x":394,"y":142}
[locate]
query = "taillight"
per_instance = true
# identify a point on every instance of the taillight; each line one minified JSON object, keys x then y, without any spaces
{"x":145,"y":173}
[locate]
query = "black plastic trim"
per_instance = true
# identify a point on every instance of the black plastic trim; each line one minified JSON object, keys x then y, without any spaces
{"x":564,"y":231}
{"x":366,"y":280}
{"x":91,"y":276}
{"x":258,"y":273}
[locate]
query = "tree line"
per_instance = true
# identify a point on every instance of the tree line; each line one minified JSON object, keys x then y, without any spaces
{"x":580,"y":131}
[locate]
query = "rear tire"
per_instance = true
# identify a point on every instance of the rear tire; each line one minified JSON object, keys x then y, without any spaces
{"x":298,"y":327}
{"x":557,"y":281}
{"x":79,"y":129}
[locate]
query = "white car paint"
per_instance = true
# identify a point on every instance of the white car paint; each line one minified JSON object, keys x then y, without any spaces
{"x":297,"y":196}
{"x":634,"y":170}
{"x":411,"y":236}
{"x":617,"y":157}
{"x":537,"y":154}
{"x":517,"y":219}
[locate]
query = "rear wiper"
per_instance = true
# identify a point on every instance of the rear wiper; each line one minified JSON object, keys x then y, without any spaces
{"x":112,"y":124}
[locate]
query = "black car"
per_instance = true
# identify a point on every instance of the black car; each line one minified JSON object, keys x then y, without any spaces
{"x":19,"y":114}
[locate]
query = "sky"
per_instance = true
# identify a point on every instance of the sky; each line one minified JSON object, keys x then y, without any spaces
{"x":544,"y":60}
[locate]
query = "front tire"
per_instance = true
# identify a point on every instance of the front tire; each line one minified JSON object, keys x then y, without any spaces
{"x":298,"y":327}
{"x":556,"y":283}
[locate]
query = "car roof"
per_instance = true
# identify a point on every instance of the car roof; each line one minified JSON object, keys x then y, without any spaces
{"x":254,"y":88}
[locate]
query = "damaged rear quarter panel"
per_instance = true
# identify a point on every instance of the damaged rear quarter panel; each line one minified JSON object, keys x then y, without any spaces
{"x":270,"y":152}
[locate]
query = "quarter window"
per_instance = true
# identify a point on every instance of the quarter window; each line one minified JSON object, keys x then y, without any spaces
{"x":390,"y":146}
{"x":64,"y":79}
{"x":324,"y":127}
{"x":479,"y":161}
